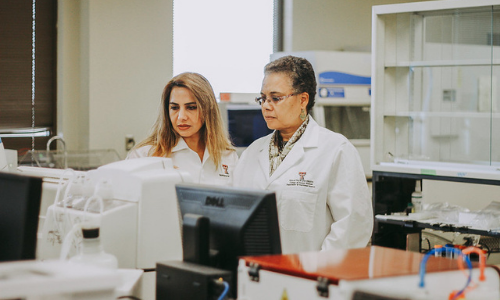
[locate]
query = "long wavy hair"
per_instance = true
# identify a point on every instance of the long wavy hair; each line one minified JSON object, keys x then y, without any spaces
{"x":163,"y":138}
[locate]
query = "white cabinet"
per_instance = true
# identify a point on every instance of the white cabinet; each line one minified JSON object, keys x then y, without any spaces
{"x":435,"y":88}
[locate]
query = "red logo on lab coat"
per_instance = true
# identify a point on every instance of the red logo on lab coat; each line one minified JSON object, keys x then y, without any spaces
{"x":302,"y":174}
{"x":225,"y":169}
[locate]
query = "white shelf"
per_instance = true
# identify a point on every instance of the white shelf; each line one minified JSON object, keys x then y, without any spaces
{"x":440,"y":169}
{"x":443,"y":6}
{"x":444,"y":63}
{"x":436,"y":88}
{"x":422,"y":115}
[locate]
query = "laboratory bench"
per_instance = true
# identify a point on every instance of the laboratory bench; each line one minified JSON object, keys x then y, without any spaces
{"x":391,"y":193}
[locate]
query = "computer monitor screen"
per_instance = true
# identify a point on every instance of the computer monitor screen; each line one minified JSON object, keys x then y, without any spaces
{"x":243,"y":222}
{"x":246,"y":124}
{"x":19,"y":208}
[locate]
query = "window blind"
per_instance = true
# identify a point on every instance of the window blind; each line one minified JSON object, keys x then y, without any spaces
{"x":16,"y":45}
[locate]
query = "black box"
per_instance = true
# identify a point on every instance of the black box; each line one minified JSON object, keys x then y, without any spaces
{"x":179,"y":280}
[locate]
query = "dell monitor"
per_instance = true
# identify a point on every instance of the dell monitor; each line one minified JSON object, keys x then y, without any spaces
{"x":241,"y":222}
{"x":19,"y":209}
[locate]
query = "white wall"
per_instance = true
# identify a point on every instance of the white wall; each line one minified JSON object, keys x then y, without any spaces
{"x":468,"y":195}
{"x":342,"y":25}
{"x":114,"y":58}
{"x":69,"y":112}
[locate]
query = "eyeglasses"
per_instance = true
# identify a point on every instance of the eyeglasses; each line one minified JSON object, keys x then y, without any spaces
{"x":273,"y":100}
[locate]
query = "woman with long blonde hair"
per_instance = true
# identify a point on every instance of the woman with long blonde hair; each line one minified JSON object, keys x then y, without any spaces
{"x":189,"y":130}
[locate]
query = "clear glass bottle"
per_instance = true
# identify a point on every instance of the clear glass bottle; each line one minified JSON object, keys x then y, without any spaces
{"x":416,"y":197}
{"x":91,"y":251}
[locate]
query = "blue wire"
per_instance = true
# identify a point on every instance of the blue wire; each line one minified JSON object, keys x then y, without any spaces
{"x":439,"y":250}
{"x":224,"y":293}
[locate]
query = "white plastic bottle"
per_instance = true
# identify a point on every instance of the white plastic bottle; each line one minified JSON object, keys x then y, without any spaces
{"x":92,"y":252}
{"x":416,"y":197}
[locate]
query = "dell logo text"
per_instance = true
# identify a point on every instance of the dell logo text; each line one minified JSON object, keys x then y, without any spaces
{"x":214,"y":201}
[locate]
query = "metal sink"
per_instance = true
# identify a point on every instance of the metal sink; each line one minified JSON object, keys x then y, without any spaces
{"x":81,"y":160}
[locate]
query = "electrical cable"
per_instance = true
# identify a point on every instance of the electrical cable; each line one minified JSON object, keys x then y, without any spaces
{"x":428,"y":243}
{"x":226,"y":289}
{"x":439,"y":250}
{"x":219,"y":282}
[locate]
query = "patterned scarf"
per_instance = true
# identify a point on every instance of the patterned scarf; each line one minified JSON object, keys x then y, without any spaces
{"x":279,"y":149}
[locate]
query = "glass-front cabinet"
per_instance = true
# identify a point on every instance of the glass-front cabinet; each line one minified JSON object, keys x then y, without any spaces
{"x":435,"y":88}
{"x":435,"y":113}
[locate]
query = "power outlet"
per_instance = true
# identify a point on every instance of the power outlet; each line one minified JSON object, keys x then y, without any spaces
{"x":129,"y":142}
{"x":449,"y":95}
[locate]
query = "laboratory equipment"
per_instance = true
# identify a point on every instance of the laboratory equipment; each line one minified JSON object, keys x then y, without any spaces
{"x":382,"y":273}
{"x":243,"y":120}
{"x":91,"y":251}
{"x":52,"y":279}
{"x":181,"y":280}
{"x":244,"y":98}
{"x":343,"y":97}
{"x":241,"y":222}
{"x":19,"y":208}
{"x":139,"y":221}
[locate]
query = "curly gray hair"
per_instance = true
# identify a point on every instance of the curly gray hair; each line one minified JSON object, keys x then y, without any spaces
{"x":300,"y":72}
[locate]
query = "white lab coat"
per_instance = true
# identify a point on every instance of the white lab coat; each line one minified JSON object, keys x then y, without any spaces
{"x":322,"y":196}
{"x":204,"y":172}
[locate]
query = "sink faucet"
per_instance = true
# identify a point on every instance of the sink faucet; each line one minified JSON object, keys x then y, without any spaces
{"x":56,"y":137}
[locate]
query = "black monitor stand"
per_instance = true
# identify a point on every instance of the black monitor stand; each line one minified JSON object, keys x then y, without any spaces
{"x":195,"y":239}
{"x":192,"y":278}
